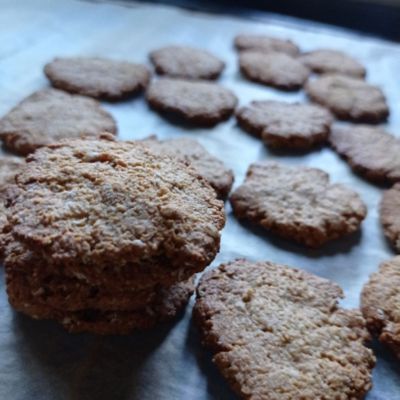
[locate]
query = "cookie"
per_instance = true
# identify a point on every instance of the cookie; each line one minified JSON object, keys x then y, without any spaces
{"x":370,"y":151}
{"x":349,"y":98}
{"x":265,"y":44}
{"x":164,"y":307}
{"x":298,"y":203}
{"x":273,"y":69}
{"x":100,"y":78}
{"x":277,"y":333}
{"x":190,"y":151}
{"x":200,"y":103}
{"x":333,"y":61}
{"x":286,"y":125}
{"x":50,"y":115}
{"x":186,"y":62}
{"x":380,"y":304}
{"x":390,"y":215}
{"x":112,"y":213}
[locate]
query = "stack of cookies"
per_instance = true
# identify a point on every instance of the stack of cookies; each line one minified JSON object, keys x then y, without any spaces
{"x":105,"y":236}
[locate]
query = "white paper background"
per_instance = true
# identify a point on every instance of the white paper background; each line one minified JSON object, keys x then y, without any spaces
{"x":38,"y":359}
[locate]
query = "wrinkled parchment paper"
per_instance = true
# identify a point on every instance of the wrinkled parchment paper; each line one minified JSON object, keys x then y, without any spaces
{"x":38,"y":360}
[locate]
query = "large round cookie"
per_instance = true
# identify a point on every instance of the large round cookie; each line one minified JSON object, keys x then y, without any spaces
{"x":380,"y":304}
{"x":190,"y":151}
{"x":200,"y":103}
{"x":273,"y":69}
{"x":186,"y":62}
{"x":97,"y":77}
{"x":349,"y":98}
{"x":265,"y":44}
{"x":333,"y":61}
{"x":370,"y":151}
{"x":286,"y":125}
{"x":113,"y":213}
{"x":50,"y":115}
{"x":277,"y":333}
{"x":390,"y":215}
{"x":298,"y":203}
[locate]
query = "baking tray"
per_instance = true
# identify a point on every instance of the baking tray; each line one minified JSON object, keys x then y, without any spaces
{"x":38,"y":359}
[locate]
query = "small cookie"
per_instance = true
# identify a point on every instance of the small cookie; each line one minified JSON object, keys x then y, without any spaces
{"x":277,"y":333}
{"x":273,"y":69}
{"x":200,"y":103}
{"x":333,"y":61}
{"x":100,"y":78}
{"x":380,"y":304}
{"x":298,"y":203}
{"x":265,"y":44}
{"x":286,"y":125}
{"x":390,"y":215}
{"x":349,"y":98}
{"x":190,"y":151}
{"x":49,"y":115}
{"x":370,"y":151}
{"x":186,"y":62}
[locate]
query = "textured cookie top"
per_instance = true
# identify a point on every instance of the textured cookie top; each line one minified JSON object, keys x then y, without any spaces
{"x":390,"y":215}
{"x":102,"y":202}
{"x":265,"y":44}
{"x":298,"y":202}
{"x":277,"y":333}
{"x":333,"y":61}
{"x":369,"y":150}
{"x":97,"y":77}
{"x":49,"y":115}
{"x":198,"y":102}
{"x":349,"y":98}
{"x":275,"y":69}
{"x":380,"y":303}
{"x":186,"y":62}
{"x":282,"y":124}
{"x":190,"y":151}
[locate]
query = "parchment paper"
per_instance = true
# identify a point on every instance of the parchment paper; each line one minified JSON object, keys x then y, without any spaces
{"x":38,"y":360}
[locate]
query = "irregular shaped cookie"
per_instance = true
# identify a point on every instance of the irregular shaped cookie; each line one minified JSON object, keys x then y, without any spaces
{"x":190,"y":151}
{"x":50,"y":115}
{"x":298,"y":203}
{"x":380,"y":304}
{"x":114,"y":214}
{"x":390,"y":215}
{"x":349,"y":98}
{"x":281,"y":124}
{"x":97,"y":77}
{"x":370,"y":151}
{"x":333,"y":61}
{"x":186,"y":62}
{"x":277,"y":333}
{"x":273,"y":69}
{"x":200,"y":103}
{"x":265,"y":44}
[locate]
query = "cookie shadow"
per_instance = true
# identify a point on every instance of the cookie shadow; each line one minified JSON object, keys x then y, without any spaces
{"x":83,"y":366}
{"x":341,"y":245}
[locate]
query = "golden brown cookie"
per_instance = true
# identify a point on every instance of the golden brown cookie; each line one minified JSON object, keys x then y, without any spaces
{"x":333,"y":61}
{"x":278,"y":333}
{"x":286,"y":125}
{"x":390,"y":215}
{"x":199,"y":103}
{"x":380,"y":304}
{"x":298,"y":203}
{"x":50,"y":115}
{"x":273,"y":69}
{"x":265,"y":44}
{"x":186,"y":62}
{"x":96,"y":77}
{"x":349,"y":98}
{"x":369,"y":150}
